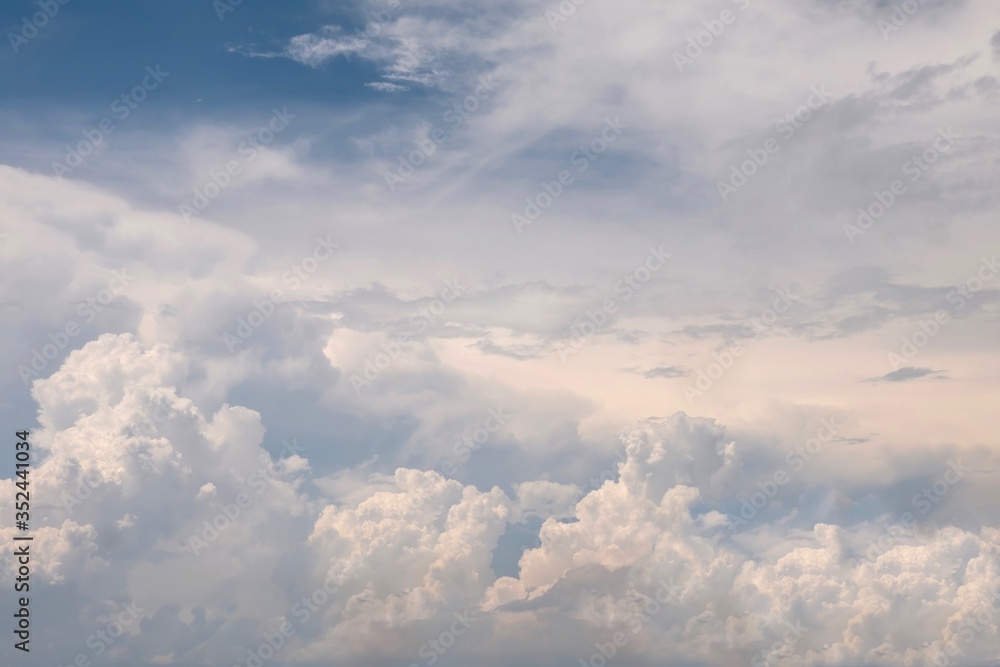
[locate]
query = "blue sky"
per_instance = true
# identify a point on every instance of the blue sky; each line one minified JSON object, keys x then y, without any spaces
{"x":110,"y":44}
{"x":670,"y":322}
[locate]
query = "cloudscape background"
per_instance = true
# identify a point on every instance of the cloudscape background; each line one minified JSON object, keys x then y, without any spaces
{"x":530,"y":332}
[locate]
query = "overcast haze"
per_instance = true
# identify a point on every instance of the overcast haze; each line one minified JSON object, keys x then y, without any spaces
{"x":426,"y":332}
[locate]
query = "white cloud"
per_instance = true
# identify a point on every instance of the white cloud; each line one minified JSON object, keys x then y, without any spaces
{"x":418,"y":550}
{"x":315,"y":49}
{"x":387,"y":87}
{"x":157,"y":428}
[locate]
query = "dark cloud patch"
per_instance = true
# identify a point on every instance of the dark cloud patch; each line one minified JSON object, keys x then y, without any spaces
{"x":658,"y":372}
{"x":909,"y":373}
{"x":662,"y":372}
{"x":519,"y":352}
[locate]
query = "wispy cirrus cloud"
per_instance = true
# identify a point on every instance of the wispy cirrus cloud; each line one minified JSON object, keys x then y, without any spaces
{"x":402,"y":58}
{"x":315,"y":49}
{"x":311,"y":49}
{"x":387,"y":87}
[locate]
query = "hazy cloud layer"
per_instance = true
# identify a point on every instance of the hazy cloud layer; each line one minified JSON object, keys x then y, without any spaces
{"x":516,"y":332}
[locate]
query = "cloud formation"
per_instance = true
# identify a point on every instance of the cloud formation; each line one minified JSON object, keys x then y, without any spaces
{"x":332,"y":485}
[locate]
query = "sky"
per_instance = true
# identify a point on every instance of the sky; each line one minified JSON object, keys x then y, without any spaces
{"x":531,"y":332}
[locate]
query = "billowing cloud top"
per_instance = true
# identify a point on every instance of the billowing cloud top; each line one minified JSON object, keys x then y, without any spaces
{"x":565,"y":333}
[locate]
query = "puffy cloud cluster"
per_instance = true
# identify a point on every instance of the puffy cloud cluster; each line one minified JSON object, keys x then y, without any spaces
{"x":154,"y":489}
{"x":138,"y":496}
{"x":650,"y":538}
{"x":644,"y":562}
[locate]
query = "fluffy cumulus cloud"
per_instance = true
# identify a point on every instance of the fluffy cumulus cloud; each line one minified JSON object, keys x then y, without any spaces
{"x":153,"y":495}
{"x":137,"y":482}
{"x":347,"y":346}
